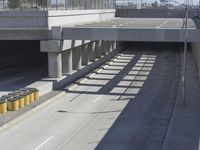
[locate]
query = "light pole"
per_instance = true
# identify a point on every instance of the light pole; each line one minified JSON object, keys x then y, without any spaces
{"x":199,"y":8}
{"x":184,"y":69}
{"x":185,"y":54}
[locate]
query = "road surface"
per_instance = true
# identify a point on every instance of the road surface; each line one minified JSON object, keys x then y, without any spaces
{"x":21,"y":65}
{"x":126,"y":105}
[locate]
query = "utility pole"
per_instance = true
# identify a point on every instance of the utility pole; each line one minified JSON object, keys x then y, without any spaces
{"x":199,"y":8}
{"x":185,"y":55}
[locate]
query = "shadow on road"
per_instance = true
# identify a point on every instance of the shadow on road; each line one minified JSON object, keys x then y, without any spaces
{"x":146,"y":77}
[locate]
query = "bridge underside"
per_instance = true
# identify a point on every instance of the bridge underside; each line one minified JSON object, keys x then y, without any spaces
{"x":135,"y":29}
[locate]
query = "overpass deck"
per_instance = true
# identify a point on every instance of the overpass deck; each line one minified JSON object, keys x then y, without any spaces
{"x":134,"y":29}
{"x":146,"y":23}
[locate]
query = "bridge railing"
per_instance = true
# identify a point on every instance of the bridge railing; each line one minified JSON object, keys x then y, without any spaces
{"x":56,"y":4}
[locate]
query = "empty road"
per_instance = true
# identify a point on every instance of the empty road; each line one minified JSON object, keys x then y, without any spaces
{"x":126,"y":104}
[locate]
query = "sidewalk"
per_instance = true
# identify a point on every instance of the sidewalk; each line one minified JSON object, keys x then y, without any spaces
{"x":184,"y":129}
{"x":7,"y":118}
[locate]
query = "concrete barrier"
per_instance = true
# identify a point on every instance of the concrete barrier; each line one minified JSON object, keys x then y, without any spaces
{"x":156,"y":13}
{"x":47,"y":19}
{"x":196,"y":54}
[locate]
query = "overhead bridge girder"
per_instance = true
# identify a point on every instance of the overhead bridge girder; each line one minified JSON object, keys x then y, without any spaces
{"x":130,"y":34}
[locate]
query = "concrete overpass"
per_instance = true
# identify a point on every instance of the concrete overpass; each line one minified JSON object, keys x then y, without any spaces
{"x":135,"y":29}
{"x":74,"y":39}
{"x":131,"y":102}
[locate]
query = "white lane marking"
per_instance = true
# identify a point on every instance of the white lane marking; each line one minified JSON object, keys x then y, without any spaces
{"x":98,"y":98}
{"x":162,"y":24}
{"x":43,"y":143}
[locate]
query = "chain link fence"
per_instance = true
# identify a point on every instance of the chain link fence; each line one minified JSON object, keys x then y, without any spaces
{"x":56,"y":4}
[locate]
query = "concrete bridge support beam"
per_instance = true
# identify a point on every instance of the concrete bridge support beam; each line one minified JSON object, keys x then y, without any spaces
{"x":109,"y":46}
{"x":114,"y":45}
{"x":85,"y":54}
{"x":98,"y":48}
{"x":104,"y":47}
{"x":92,"y":51}
{"x":52,"y":47}
{"x":67,"y":61}
{"x":76,"y":57}
{"x":54,"y":65}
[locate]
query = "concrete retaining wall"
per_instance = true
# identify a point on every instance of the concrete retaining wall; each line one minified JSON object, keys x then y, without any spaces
{"x":196,"y":53}
{"x":47,"y":19}
{"x":154,"y":13}
{"x":11,"y":19}
{"x":71,"y":17}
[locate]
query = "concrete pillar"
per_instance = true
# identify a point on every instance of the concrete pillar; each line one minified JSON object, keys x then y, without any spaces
{"x":98,"y":49}
{"x":85,"y":54}
{"x":104,"y":47}
{"x":113,"y":45}
{"x":92,"y":51}
{"x":54,"y":48}
{"x":55,"y":64}
{"x":109,"y":46}
{"x":76,"y":57}
{"x":67,"y":61}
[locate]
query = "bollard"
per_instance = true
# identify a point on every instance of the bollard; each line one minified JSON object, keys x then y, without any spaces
{"x":13,"y":103}
{"x":30,"y":95}
{"x":35,"y":93}
{"x":21,"y":101}
{"x":13,"y":94}
{"x":7,"y":96}
{"x":3,"y":105}
{"x":26,"y":98}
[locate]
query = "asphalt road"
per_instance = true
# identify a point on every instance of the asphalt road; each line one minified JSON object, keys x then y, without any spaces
{"x":138,"y":23}
{"x":121,"y":107}
{"x":21,"y":65}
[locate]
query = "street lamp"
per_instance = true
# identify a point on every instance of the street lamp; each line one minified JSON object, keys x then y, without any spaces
{"x":185,"y":55}
{"x":183,"y":75}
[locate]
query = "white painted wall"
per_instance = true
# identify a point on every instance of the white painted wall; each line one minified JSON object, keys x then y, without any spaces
{"x":47,"y":19}
{"x":71,"y":17}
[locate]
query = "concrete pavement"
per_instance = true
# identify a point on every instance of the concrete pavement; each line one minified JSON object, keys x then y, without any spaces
{"x":126,"y":105}
{"x":137,"y":23}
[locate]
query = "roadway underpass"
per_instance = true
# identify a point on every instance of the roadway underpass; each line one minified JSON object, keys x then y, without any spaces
{"x":131,"y":102}
{"x":21,"y":64}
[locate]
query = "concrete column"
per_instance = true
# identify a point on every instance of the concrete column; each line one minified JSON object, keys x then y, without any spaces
{"x":67,"y":61}
{"x":76,"y":54}
{"x":85,"y":54}
{"x":98,"y":49}
{"x":92,"y":51}
{"x":55,"y":64}
{"x":115,"y":45}
{"x":109,"y":46}
{"x":104,"y":47}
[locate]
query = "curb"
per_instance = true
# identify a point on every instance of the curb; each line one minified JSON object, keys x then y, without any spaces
{"x":47,"y":102}
{"x":30,"y":112}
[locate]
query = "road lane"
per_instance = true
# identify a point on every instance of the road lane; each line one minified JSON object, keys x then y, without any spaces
{"x":82,"y":117}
